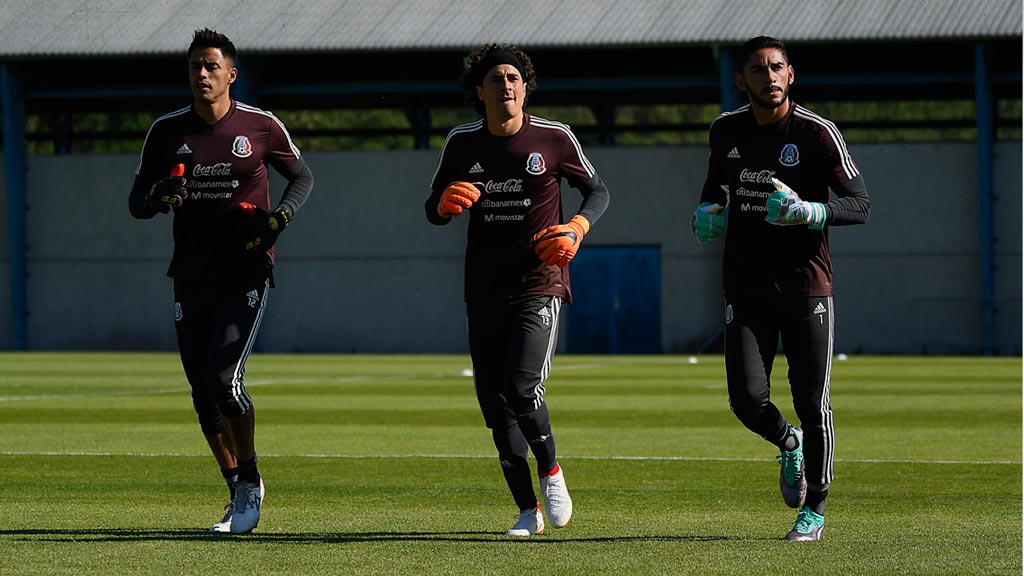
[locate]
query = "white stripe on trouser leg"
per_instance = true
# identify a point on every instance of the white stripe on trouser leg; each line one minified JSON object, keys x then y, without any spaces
{"x":556,"y":306}
{"x":238,"y":393}
{"x":825,"y":474}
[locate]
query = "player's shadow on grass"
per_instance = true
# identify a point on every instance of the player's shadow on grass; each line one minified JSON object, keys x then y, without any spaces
{"x":191,"y":535}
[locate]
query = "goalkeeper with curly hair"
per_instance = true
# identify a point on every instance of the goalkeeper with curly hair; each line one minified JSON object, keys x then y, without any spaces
{"x":505,"y":170}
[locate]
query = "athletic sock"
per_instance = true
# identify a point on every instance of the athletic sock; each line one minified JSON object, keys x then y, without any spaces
{"x":247,"y":471}
{"x":231,"y":477}
{"x":816,"y":501}
{"x":552,"y":472}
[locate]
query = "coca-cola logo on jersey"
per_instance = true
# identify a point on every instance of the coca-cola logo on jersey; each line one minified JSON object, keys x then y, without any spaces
{"x":758,"y":176}
{"x":512,"y":185}
{"x":218,"y":169}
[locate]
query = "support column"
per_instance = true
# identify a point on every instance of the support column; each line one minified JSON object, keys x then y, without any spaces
{"x":985,"y":118}
{"x":419,"y":119}
{"x":728,"y":97}
{"x":12,"y":109}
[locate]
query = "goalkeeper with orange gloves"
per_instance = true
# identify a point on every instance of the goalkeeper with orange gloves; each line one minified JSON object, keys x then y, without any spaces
{"x":506,"y":170}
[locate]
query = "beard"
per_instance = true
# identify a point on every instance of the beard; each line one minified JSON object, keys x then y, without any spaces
{"x":768,"y":104}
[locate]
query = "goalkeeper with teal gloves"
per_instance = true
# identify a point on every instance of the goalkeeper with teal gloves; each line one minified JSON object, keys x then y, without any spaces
{"x":772,"y":172}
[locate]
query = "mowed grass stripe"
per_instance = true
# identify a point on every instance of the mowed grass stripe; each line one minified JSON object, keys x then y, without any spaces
{"x":381,"y":465}
{"x":566,"y":457}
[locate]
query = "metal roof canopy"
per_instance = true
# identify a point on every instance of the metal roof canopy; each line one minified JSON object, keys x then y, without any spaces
{"x":934,"y":70}
{"x":123,"y":27}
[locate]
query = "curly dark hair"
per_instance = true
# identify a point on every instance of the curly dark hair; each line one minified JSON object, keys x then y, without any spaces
{"x":472,"y":76}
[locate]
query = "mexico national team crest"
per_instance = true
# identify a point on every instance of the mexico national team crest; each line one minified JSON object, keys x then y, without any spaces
{"x":241,"y":147}
{"x":535,"y":163}
{"x":790,"y":156}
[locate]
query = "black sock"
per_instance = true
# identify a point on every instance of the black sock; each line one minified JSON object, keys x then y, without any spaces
{"x":247,"y":471}
{"x":816,"y":501}
{"x":231,"y":477}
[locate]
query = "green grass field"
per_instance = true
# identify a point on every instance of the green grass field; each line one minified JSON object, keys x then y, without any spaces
{"x":381,"y":465}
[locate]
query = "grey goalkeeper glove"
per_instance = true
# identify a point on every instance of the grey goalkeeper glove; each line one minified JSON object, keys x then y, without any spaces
{"x":785,"y":208}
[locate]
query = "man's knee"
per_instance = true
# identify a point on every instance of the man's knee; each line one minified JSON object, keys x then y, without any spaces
{"x":234,"y":407}
{"x":747,"y":410}
{"x":210,"y":421}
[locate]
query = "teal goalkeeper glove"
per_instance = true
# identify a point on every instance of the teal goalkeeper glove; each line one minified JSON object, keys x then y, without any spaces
{"x":785,"y":208}
{"x":706,"y":222}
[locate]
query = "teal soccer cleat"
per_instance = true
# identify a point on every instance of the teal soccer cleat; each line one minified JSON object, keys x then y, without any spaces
{"x":809,"y":526}
{"x":792,"y":483}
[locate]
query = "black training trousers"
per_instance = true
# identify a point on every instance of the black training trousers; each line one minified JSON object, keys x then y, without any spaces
{"x":216,"y":328}
{"x":512,"y":344}
{"x":752,"y":334}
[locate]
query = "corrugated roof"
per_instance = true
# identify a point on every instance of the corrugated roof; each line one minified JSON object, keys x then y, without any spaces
{"x":112,"y":27}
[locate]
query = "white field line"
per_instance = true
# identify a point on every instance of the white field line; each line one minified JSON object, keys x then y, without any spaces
{"x":486,"y":456}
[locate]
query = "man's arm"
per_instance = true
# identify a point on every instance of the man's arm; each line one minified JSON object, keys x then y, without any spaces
{"x":852,"y":205}
{"x":430,"y":207}
{"x":557,"y":245}
{"x":137,"y":199}
{"x":440,"y":188}
{"x":147,"y":174}
{"x":707,"y":221}
{"x":595,"y":199}
{"x":300,"y":185}
{"x":261,"y":232}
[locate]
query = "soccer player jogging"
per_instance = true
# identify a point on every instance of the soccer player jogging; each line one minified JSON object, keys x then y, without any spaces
{"x":772,"y":165}
{"x":208,"y":164}
{"x":506,"y":169}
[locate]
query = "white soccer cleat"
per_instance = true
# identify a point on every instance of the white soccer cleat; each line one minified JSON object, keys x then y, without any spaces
{"x":530,"y":522}
{"x":556,"y":498}
{"x":243,"y":514}
{"x":225,"y":523}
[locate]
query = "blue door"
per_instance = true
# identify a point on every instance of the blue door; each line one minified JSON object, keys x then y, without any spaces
{"x":616,"y":305}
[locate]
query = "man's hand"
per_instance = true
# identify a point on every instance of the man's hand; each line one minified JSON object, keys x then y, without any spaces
{"x":260,"y":229}
{"x":785,"y":208}
{"x":457,"y":197}
{"x":169,"y":192}
{"x":707,"y":222}
{"x":557,"y":245}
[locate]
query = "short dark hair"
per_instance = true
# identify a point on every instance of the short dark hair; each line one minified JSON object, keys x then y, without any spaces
{"x":755,"y":44}
{"x":471,"y":73}
{"x":207,"y":38}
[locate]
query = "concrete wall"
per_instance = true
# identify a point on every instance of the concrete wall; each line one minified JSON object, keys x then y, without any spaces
{"x":362,"y":271}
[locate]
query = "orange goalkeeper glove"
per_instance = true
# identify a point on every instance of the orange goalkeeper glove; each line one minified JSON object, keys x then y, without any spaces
{"x":457,"y":197}
{"x":557,"y":245}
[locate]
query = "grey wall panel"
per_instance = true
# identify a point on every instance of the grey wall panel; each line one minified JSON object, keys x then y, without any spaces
{"x":88,"y":305}
{"x":367,"y":306}
{"x":362,"y":271}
